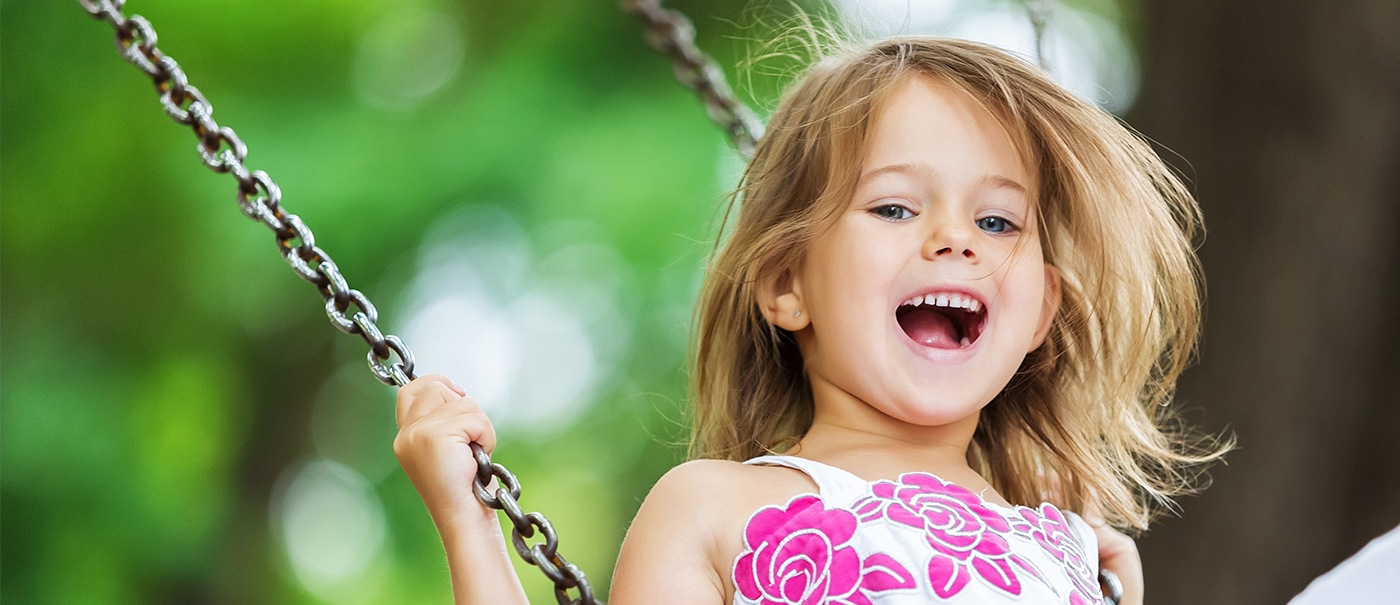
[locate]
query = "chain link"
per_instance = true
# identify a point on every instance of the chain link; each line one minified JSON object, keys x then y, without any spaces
{"x":1039,"y":13}
{"x":673,"y":34}
{"x":1111,"y":586}
{"x":544,"y":555}
{"x":349,"y":310}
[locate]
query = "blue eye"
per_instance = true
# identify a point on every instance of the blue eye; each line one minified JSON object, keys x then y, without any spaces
{"x":893,"y":212}
{"x":995,"y":224}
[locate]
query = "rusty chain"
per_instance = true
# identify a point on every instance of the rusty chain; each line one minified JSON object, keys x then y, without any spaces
{"x":673,"y":34}
{"x":222,"y":151}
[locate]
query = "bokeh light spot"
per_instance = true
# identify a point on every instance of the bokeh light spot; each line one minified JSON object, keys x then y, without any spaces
{"x":530,"y":341}
{"x":331,"y":525}
{"x":1086,"y":52}
{"x":408,"y":54}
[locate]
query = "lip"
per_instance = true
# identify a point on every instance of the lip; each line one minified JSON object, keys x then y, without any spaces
{"x":935,"y":354}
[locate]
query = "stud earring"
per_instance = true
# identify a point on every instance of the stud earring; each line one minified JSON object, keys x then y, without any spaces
{"x":797,"y":313}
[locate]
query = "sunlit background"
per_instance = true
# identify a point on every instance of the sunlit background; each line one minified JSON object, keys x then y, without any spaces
{"x":521,"y":188}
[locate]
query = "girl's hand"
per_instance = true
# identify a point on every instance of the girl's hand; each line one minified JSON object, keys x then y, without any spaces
{"x":1119,"y":554}
{"x":437,"y":423}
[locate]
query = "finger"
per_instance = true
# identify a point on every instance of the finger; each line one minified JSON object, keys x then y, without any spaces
{"x":432,"y":399}
{"x":456,"y":388}
{"x":464,"y":418}
{"x":432,"y":389}
{"x":439,"y":378}
{"x":1118,"y":553}
{"x":441,"y":433}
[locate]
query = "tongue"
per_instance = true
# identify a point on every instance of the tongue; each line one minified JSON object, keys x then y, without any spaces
{"x":930,"y":329}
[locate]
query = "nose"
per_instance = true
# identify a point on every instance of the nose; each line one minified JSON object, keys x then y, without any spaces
{"x":950,"y":241}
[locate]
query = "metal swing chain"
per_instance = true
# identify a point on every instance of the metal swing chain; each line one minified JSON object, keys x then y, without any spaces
{"x":349,"y":310}
{"x":260,"y":199}
{"x":258,"y":196}
{"x":1039,"y":11}
{"x":673,"y":34}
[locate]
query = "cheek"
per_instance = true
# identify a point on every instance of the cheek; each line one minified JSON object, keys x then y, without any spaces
{"x":844,"y":271}
{"x":1023,"y":292}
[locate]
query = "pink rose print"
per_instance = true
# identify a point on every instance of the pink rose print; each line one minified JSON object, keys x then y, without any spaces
{"x":1077,"y":598}
{"x":1048,"y":526}
{"x":966,"y":536}
{"x":798,"y":555}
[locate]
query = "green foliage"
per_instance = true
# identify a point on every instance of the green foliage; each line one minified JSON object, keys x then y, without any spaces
{"x":165,"y":375}
{"x":163,"y":370}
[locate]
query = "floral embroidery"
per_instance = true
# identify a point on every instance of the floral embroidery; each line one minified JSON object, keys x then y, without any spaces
{"x":966,"y":536}
{"x":804,"y":553}
{"x":1049,"y":528}
{"x":799,"y":555}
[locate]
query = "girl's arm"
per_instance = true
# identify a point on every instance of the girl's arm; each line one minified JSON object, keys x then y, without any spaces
{"x":437,"y":424}
{"x":670,"y":548}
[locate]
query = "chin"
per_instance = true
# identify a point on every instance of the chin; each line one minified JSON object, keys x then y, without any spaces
{"x":941,"y":412}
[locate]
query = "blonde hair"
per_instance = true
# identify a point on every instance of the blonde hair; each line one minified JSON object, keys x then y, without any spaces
{"x":1085,"y":422}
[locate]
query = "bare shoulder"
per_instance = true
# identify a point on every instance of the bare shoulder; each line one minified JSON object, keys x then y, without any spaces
{"x":688,"y":530}
{"x":702,"y":476}
{"x":725,"y":487}
{"x":701,"y":471}
{"x":697,"y":497}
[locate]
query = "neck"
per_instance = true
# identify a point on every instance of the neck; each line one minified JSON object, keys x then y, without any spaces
{"x":833,"y":440}
{"x":858,"y":436}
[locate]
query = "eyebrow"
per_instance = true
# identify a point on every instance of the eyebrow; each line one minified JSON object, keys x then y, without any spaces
{"x":922,"y":169}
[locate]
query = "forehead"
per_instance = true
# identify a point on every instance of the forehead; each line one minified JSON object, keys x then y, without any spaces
{"x":928,"y":123}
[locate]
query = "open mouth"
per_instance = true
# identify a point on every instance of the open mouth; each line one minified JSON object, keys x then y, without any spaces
{"x":942,"y":320}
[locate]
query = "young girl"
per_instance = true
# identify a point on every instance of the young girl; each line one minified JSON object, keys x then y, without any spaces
{"x":953,"y":308}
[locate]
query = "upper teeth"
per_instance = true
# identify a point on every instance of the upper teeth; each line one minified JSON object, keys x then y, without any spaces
{"x":945,"y":300}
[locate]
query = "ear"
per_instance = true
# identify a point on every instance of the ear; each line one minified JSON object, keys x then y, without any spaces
{"x":1051,"y":306}
{"x":780,"y":301}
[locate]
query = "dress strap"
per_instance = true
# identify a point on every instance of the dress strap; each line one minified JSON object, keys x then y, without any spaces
{"x":836,"y":486}
{"x":1087,"y":539}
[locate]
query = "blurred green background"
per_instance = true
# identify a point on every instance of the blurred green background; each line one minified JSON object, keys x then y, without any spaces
{"x":521,"y":188}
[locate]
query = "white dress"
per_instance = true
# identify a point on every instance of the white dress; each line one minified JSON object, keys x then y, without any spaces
{"x":913,"y":541}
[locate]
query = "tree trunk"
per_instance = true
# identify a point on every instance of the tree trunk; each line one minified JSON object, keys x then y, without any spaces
{"x":1286,"y":117}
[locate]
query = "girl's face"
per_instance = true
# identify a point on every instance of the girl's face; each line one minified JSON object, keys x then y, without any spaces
{"x":924,"y":297}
